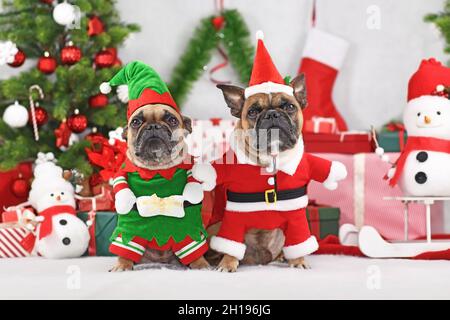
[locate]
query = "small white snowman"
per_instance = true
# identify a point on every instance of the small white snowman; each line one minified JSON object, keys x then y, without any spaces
{"x":423,"y":167}
{"x":60,"y":233}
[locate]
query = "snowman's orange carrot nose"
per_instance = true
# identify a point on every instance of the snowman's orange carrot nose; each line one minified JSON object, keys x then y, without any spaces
{"x":58,"y":198}
{"x":427,"y":120}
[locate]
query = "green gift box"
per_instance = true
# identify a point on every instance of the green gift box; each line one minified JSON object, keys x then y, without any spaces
{"x":323,"y":220}
{"x":390,"y":140}
{"x":104,"y":224}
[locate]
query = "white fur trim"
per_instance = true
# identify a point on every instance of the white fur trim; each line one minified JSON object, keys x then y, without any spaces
{"x":193,"y":192}
{"x":325,"y":48}
{"x":105,"y":88}
{"x":206,"y":174}
{"x":302,"y":249}
{"x":281,"y":205}
{"x":259,"y":35}
{"x":337,"y":172}
{"x":287,"y":161}
{"x":122,"y":93}
{"x":230,"y":247}
{"x":268,"y":87}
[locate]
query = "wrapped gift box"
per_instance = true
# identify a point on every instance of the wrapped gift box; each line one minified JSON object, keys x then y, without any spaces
{"x":392,"y":141}
{"x":16,"y":241}
{"x":320,"y":125}
{"x":344,"y":142}
{"x":103,"y":200}
{"x":360,"y":198}
{"x":323,"y":220}
{"x":104,"y":223}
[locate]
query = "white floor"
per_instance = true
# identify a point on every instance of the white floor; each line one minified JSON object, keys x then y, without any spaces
{"x":331,"y":277}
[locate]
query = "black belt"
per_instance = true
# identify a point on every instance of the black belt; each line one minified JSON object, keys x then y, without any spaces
{"x":269,"y":196}
{"x":186,"y":204}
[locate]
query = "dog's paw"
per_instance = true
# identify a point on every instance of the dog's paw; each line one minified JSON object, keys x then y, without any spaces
{"x":125,"y":200}
{"x":122,"y":265}
{"x":199,"y":264}
{"x":228,"y":264}
{"x":337,"y":173}
{"x":299,"y":263}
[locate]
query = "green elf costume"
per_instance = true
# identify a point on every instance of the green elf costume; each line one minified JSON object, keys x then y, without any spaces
{"x":158,"y":209}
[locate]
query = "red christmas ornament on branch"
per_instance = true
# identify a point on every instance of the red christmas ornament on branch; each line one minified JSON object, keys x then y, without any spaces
{"x":20,"y":187}
{"x":62,"y":134}
{"x":19,"y":59}
{"x":41,"y":115}
{"x":98,"y":101}
{"x":70,"y":54}
{"x":77,"y":122}
{"x":218,"y":22}
{"x":47,"y":64}
{"x":105,"y":58}
{"x":47,"y":1}
{"x":95,"y":26}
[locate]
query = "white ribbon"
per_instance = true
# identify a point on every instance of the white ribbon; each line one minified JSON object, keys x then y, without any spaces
{"x":150,"y":206}
{"x":359,"y":167}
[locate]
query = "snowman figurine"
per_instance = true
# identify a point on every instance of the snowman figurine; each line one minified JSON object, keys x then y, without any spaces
{"x":60,"y":233}
{"x":423,"y":166}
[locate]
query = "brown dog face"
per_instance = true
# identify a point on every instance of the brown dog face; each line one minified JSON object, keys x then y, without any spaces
{"x":155,"y":134}
{"x":273,"y":119}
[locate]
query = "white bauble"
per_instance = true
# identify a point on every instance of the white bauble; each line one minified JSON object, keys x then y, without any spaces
{"x":64,"y":14}
{"x":16,"y":115}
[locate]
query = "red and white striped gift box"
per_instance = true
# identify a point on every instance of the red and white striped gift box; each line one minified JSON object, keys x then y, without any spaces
{"x":15,"y":242}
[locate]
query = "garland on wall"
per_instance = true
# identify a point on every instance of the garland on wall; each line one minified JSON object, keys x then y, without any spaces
{"x":228,"y":29}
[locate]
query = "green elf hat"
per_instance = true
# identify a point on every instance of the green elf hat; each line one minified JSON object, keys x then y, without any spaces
{"x":145,"y":86}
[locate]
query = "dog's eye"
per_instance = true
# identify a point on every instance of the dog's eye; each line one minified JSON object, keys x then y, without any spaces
{"x":172,"y":121}
{"x":289,"y":107}
{"x":136,"y":123}
{"x":253,"y":112}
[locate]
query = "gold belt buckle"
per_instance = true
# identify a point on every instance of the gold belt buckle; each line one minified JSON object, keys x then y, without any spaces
{"x":266,"y":195}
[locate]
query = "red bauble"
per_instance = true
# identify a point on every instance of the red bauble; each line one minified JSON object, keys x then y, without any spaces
{"x":41,"y":116}
{"x":105,"y":58}
{"x":47,"y":64}
{"x":218,"y":22}
{"x":20,"y":187}
{"x":47,"y":1}
{"x":19,"y":59}
{"x":77,"y":122}
{"x":95,"y":26}
{"x":98,"y":101}
{"x":70,"y":54}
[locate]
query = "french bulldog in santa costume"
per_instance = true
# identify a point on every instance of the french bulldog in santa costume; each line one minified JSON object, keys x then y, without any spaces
{"x":266,"y":171}
{"x":422,"y":168}
{"x":158,"y":190}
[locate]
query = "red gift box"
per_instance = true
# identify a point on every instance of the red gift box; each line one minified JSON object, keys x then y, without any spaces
{"x":344,"y":142}
{"x":103,"y":200}
{"x":320,"y":125}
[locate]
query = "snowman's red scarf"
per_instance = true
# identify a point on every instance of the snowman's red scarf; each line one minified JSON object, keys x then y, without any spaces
{"x":46,"y":226}
{"x":415,"y":144}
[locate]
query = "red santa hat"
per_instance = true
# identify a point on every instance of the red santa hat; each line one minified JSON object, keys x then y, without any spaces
{"x":265,"y":77}
{"x":431,"y":79}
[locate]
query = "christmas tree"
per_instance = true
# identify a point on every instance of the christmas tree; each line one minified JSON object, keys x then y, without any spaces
{"x":442,"y":22}
{"x":75,"y":46}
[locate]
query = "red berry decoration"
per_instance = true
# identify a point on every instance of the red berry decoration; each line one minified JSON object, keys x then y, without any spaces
{"x":98,"y":101}
{"x":47,"y":64}
{"x":41,"y":116}
{"x":20,"y":187}
{"x":95,"y":26}
{"x":19,"y":59}
{"x":218,"y":22}
{"x":105,"y":59}
{"x":77,"y":122}
{"x":70,"y":54}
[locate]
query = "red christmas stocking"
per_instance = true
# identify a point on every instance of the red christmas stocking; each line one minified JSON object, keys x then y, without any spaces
{"x":322,"y":58}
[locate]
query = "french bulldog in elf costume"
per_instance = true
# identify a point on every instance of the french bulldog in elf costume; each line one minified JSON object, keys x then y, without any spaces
{"x":159,"y":189}
{"x":266,"y":171}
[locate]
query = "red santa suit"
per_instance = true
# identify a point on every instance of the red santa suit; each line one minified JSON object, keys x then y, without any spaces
{"x":261,"y":199}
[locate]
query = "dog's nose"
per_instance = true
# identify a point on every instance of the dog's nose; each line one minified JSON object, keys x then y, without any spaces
{"x":154,"y":126}
{"x":271,"y":114}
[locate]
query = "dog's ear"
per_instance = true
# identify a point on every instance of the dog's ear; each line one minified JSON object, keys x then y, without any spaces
{"x":125,"y":133}
{"x":187,"y":123}
{"x":234,"y":97}
{"x":298,"y":83}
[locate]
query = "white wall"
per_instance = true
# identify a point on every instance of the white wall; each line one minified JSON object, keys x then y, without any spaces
{"x":371,"y":87}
